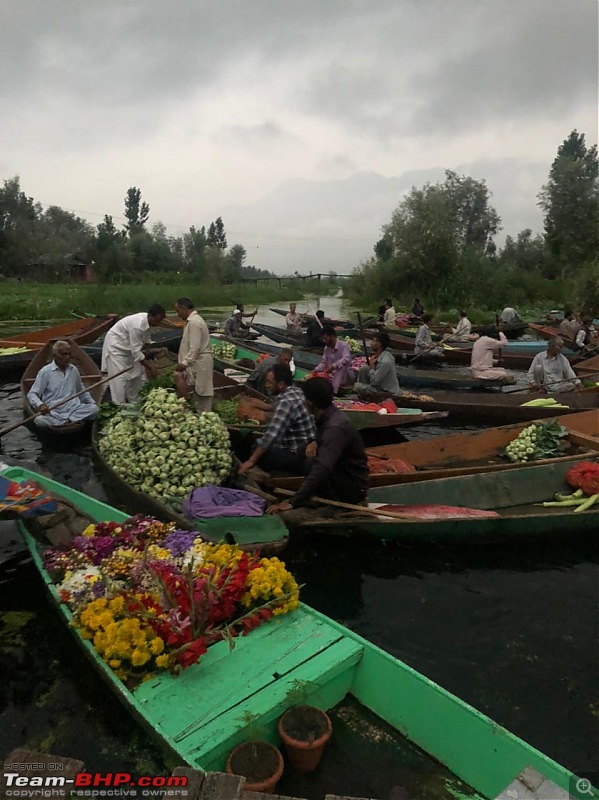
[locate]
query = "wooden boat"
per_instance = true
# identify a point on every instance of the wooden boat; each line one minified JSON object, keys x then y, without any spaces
{"x":461,"y":353}
{"x":588,"y":368}
{"x":90,"y":374}
{"x":504,"y":407}
{"x":199,"y":716}
{"x":280,"y":335}
{"x":269,"y":541}
{"x":546,"y":332}
{"x":81,"y":331}
{"x":338,"y":323}
{"x":471,"y":453}
{"x":515,"y":495}
{"x":407,"y":376}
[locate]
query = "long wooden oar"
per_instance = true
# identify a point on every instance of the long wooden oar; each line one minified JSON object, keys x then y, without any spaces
{"x":431,"y":347}
{"x":349,"y":507}
{"x":62,"y":402}
{"x":552,"y":383}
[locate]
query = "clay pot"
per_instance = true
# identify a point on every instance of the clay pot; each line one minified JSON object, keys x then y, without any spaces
{"x":305,"y":730}
{"x":260,"y":763}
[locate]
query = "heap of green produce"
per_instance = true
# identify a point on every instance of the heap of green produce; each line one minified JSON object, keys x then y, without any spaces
{"x":224,"y":350}
{"x":226,"y":410}
{"x":541,"y":440}
{"x":354,"y":344}
{"x":166,"y":449}
{"x":545,"y":402}
{"x":163,"y":381}
{"x":12,"y":351}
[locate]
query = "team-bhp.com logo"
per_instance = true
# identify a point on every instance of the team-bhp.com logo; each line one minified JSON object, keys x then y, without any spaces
{"x":90,"y":784}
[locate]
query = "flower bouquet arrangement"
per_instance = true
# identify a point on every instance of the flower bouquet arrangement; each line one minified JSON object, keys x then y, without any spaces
{"x":152,"y":598}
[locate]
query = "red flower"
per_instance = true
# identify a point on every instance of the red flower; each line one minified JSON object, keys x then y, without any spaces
{"x":585,"y":476}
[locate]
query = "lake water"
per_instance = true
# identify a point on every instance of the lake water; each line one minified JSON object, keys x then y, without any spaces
{"x":510,"y":629}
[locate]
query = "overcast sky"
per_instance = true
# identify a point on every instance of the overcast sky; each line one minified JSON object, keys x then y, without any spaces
{"x":300,"y":123}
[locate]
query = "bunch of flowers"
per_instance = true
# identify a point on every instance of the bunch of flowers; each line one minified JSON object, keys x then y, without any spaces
{"x":150,"y":597}
{"x":357,"y":362}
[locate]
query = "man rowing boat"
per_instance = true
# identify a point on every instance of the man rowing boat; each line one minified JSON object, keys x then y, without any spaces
{"x":551,"y":371}
{"x":55,"y":382}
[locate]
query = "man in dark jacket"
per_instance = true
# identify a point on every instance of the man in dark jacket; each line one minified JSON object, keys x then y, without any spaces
{"x":314,"y":330}
{"x":339,"y":471}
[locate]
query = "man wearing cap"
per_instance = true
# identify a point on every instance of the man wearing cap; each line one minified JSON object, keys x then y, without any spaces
{"x":234,"y":327}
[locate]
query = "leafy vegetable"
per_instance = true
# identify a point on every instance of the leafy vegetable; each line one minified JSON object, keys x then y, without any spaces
{"x":540,"y":440}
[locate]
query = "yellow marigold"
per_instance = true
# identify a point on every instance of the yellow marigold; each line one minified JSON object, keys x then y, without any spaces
{"x":89,"y":531}
{"x":155,"y":551}
{"x":117,"y":605}
{"x":163,"y":661}
{"x":139,"y":657}
{"x":157,"y":646}
{"x":115,"y":663}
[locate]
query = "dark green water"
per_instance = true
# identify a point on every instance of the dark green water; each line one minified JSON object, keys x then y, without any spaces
{"x":511,"y":630}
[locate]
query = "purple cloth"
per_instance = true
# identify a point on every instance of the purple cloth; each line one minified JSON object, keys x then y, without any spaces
{"x":210,"y":501}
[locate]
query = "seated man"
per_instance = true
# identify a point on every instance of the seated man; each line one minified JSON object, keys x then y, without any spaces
{"x":234,"y":327}
{"x":483,"y":351}
{"x":293,"y":320}
{"x":463,"y":330}
{"x":55,"y":382}
{"x":336,"y":359}
{"x":389,"y":315}
{"x":314,"y":330}
{"x":340,"y":469}
{"x":423,"y":343}
{"x":509,"y":316}
{"x":551,"y":371}
{"x":258,"y":377}
{"x":282,"y":446}
{"x":380,"y":374}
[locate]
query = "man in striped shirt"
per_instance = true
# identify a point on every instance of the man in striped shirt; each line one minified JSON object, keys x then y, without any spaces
{"x":282,"y":446}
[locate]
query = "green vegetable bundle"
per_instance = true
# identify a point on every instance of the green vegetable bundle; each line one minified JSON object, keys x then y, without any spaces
{"x":538,"y":441}
{"x":227,"y":411}
{"x":166,"y":449}
{"x":224,"y":350}
{"x":354,"y":344}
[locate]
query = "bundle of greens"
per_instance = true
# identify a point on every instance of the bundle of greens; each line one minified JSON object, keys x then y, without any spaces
{"x":540,"y":440}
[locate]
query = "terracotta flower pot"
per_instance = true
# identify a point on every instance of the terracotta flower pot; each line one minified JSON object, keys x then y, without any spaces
{"x":260,"y":763}
{"x":305,"y":730}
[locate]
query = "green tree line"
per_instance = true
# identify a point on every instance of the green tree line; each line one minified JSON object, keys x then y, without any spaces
{"x":440,"y":243}
{"x":47,"y":244}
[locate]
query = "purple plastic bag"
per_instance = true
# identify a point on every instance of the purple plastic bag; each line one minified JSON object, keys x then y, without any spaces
{"x":210,"y":501}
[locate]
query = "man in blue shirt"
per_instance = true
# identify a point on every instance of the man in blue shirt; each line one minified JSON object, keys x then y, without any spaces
{"x":55,"y":382}
{"x":282,"y":446}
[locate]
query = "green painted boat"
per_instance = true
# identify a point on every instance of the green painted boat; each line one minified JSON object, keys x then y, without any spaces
{"x":516,"y":495}
{"x":241,"y":351}
{"x":425,"y":738}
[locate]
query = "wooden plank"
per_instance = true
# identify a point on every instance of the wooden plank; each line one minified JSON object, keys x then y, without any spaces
{"x":327,"y":677}
{"x":224,"y":678}
{"x":30,"y":764}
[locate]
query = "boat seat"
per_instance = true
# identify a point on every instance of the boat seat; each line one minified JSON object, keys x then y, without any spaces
{"x":207,"y":709}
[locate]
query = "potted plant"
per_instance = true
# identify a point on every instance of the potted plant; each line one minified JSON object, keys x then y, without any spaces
{"x":260,"y":763}
{"x":305,"y":730}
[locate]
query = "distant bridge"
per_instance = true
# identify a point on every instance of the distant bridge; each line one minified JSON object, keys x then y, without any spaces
{"x":280,"y":279}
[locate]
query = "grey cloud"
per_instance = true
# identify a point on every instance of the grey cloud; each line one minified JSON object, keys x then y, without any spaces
{"x":266,"y":134}
{"x":541,"y":57}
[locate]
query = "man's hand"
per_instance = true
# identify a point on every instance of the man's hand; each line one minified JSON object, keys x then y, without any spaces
{"x":534,"y":387}
{"x":311,"y":450}
{"x":579,"y":386}
{"x":278,"y":507}
{"x":372,"y":361}
{"x":43,"y":409}
{"x":180,"y":368}
{"x":247,"y":465}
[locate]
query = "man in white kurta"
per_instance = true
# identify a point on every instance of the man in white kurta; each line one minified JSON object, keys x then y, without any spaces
{"x":551,"y":371}
{"x":55,"y":382}
{"x":123,"y":348}
{"x":195,"y":355}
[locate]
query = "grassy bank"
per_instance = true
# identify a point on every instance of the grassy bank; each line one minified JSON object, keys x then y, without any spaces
{"x":42,"y":301}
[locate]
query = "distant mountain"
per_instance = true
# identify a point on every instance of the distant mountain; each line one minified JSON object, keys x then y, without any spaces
{"x":328,"y":225}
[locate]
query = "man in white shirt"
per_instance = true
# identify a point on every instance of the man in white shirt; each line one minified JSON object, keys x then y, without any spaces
{"x":509,"y":316}
{"x":389,"y":315}
{"x":195,"y":355}
{"x":551,"y":371}
{"x":55,"y":382}
{"x":463,"y":330}
{"x":123,"y":348}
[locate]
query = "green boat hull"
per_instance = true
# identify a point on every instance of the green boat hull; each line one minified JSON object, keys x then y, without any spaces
{"x":516,"y":495}
{"x":200,"y":715}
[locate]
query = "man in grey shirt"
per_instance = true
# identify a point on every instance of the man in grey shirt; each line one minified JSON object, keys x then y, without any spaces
{"x":257,"y":378}
{"x":380,"y":374}
{"x":551,"y":371}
